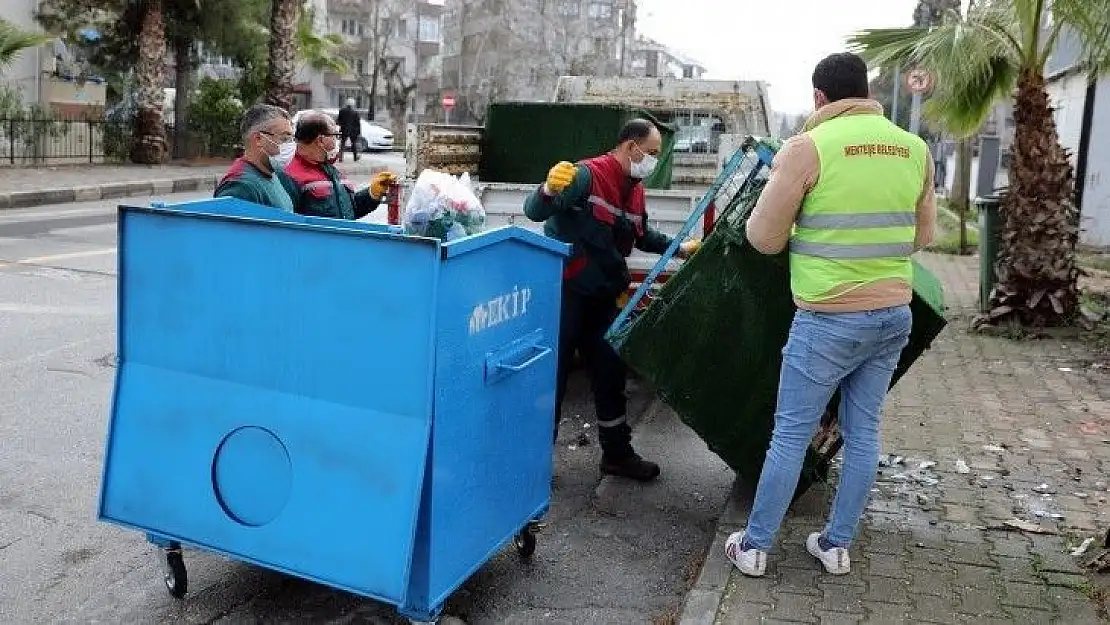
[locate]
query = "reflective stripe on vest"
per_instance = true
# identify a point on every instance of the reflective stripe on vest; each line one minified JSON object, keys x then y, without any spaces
{"x":597,"y":200}
{"x":857,"y":225}
{"x":857,"y":221}
{"x":848,"y":252}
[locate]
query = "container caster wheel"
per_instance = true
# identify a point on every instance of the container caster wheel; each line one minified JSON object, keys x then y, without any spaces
{"x":525,"y":542}
{"x":175,"y":577}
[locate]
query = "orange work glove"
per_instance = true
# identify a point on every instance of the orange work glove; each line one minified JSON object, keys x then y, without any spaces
{"x":379,"y":184}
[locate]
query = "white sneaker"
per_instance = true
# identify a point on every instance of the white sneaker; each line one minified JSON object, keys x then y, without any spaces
{"x":836,"y":560}
{"x":752,"y":562}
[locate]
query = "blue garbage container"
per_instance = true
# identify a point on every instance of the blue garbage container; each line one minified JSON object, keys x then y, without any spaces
{"x":332,"y":399}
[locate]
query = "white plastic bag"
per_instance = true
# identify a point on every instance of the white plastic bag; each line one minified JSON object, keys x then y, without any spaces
{"x":443,"y":206}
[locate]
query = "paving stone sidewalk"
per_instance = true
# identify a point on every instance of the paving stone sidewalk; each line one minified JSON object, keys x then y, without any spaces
{"x":22,"y":187}
{"x":1018,"y":430}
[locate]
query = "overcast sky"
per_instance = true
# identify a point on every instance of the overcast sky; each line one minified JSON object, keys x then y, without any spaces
{"x":778,"y":41}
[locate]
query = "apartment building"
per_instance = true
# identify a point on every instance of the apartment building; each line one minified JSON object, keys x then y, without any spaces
{"x":517,"y":49}
{"x":650,"y":59}
{"x":403,"y":38}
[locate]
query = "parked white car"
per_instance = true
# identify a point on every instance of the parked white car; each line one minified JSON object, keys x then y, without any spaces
{"x":374,"y":137}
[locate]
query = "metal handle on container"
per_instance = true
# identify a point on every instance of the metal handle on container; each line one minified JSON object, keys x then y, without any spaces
{"x":527,"y":363}
{"x":500,"y":363}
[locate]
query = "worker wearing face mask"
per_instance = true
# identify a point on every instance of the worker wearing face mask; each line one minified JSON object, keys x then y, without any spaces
{"x":322,"y":190}
{"x":598,"y":206}
{"x":268,"y":147}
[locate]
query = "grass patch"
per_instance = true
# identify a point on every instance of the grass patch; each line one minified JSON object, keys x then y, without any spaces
{"x":1099,"y":262}
{"x":948,"y":231}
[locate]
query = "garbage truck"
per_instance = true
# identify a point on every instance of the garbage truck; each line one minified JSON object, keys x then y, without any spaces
{"x":505,"y":164}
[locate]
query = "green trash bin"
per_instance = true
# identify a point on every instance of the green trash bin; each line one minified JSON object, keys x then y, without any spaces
{"x":710,"y":342}
{"x":987,"y":206}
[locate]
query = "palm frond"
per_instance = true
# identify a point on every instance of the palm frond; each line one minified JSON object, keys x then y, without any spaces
{"x":14,"y":40}
{"x":975,"y":60}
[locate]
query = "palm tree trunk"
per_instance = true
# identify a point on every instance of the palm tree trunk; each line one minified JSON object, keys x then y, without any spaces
{"x":183,"y":74}
{"x":283,"y":53}
{"x":1036,"y":270}
{"x":961,"y":187}
{"x":149,"y":145}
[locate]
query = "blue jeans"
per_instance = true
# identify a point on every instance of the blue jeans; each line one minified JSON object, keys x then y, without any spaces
{"x":857,"y":353}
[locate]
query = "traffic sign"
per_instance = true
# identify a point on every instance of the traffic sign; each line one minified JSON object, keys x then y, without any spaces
{"x":919,"y":80}
{"x":448,"y":101}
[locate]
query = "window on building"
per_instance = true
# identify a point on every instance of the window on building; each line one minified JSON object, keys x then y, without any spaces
{"x":569,"y":8}
{"x":402,"y":28}
{"x":395,"y":61}
{"x":429,"y":29}
{"x":601,"y":10}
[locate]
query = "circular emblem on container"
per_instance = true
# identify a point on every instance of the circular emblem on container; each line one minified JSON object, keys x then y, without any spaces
{"x":252,"y":476}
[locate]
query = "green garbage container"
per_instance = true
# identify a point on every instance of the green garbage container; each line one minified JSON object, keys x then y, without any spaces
{"x":987,"y":206}
{"x":710,"y":343}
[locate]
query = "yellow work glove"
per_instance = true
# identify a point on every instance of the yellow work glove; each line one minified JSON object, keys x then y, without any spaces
{"x":689,"y":248}
{"x":379,"y":184}
{"x":560,"y":177}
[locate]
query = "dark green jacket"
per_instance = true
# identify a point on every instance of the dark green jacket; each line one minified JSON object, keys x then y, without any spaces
{"x":246,"y":182}
{"x":323,"y":191}
{"x":568,"y":218}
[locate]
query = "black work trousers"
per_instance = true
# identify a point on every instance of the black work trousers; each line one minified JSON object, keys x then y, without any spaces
{"x":583,"y":322}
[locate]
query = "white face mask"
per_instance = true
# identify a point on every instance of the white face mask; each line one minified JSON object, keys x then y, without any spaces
{"x":333,"y":154}
{"x":644,"y":168}
{"x":284,"y":156}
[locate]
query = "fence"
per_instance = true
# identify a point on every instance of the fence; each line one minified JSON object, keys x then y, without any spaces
{"x":46,"y":141}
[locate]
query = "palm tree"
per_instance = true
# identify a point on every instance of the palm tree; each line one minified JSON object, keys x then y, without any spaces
{"x":997,"y":51}
{"x":283,"y":52}
{"x":14,"y":40}
{"x":149,"y":144}
{"x":320,"y":53}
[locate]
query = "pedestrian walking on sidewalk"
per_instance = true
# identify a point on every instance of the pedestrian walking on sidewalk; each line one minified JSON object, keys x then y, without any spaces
{"x":351,"y":127}
{"x":852,"y":198}
{"x":321,"y":189}
{"x":268,"y":147}
{"x":598,"y":206}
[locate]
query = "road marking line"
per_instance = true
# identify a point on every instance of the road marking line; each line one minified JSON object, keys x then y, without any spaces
{"x":38,"y":260}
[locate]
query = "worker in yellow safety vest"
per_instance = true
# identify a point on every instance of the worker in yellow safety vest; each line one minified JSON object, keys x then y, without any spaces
{"x":851,"y":198}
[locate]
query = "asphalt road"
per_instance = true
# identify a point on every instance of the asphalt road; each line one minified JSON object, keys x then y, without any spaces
{"x":614,"y":552}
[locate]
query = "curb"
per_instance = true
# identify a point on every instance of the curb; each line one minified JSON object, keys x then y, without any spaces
{"x":111,"y":190}
{"x":703,"y":600}
{"x":106,"y":191}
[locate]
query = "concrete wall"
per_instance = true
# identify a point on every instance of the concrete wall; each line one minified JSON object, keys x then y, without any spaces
{"x":1096,"y":195}
{"x":1067,"y":95}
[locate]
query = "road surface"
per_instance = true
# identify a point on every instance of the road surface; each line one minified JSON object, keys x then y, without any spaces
{"x":615,"y":552}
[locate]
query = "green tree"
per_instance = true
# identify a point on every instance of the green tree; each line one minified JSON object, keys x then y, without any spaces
{"x":995,"y":52}
{"x":14,"y":40}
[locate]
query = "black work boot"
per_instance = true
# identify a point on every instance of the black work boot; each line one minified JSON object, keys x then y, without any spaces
{"x":619,"y":459}
{"x":631,"y":466}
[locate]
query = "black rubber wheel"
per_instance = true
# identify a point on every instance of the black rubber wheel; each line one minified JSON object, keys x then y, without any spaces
{"x":525,"y":543}
{"x":177,"y":580}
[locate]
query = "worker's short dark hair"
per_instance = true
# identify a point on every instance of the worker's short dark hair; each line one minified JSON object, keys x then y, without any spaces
{"x":311,"y":126}
{"x":841,"y":76}
{"x":635,"y":130}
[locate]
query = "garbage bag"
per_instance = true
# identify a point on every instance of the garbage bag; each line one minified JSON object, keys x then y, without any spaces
{"x":443,"y":206}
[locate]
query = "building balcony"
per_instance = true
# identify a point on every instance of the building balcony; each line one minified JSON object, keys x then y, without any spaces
{"x":335,"y":79}
{"x":428,"y":48}
{"x":431,"y":9}
{"x":427,"y":84}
